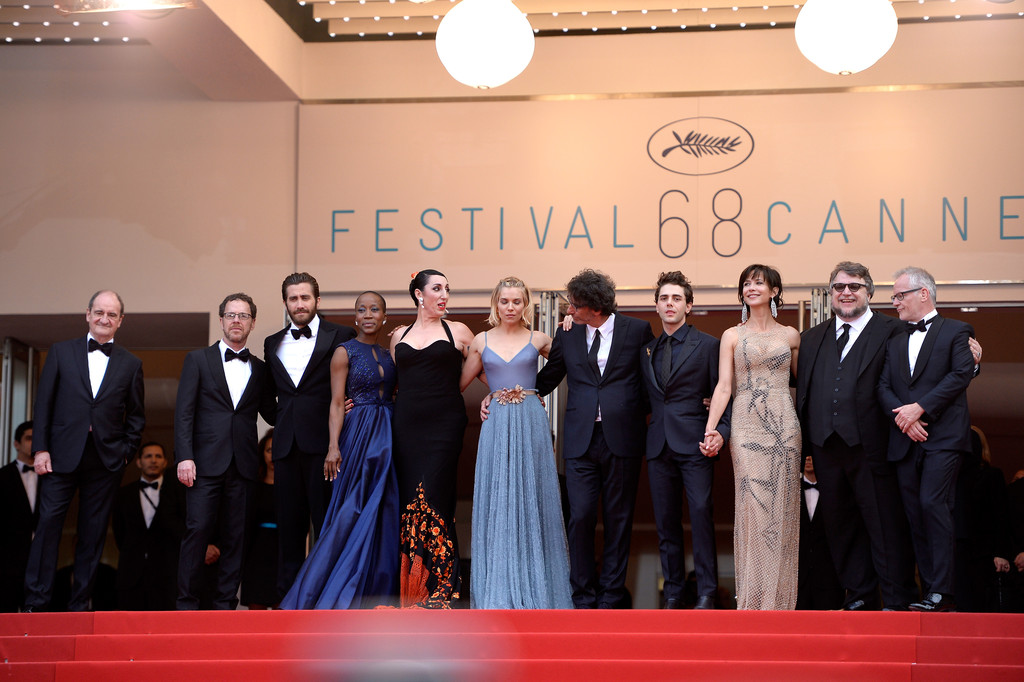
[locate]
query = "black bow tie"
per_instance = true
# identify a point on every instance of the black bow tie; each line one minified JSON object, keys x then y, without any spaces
{"x":25,"y":468}
{"x":155,"y":485}
{"x":805,"y":484}
{"x":242,"y":355}
{"x":302,"y":331}
{"x":919,"y":326}
{"x":104,"y":348}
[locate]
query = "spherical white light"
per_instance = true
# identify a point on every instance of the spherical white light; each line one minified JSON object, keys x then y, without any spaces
{"x":484,"y":43}
{"x":845,"y":36}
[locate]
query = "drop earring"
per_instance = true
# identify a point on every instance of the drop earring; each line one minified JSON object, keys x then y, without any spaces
{"x":775,"y":310}
{"x":743,"y":314}
{"x":421,"y":302}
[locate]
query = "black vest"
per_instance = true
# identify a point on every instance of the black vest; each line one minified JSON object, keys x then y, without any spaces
{"x":832,"y":401}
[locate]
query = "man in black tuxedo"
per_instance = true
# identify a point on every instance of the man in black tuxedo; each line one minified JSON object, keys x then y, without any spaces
{"x":18,"y":485}
{"x":846,"y":428}
{"x":222,"y":388}
{"x":923,"y":389}
{"x":299,"y":358}
{"x":604,"y":432}
{"x":89,"y":416}
{"x":148,"y":524}
{"x":818,"y":587}
{"x":680,"y":370}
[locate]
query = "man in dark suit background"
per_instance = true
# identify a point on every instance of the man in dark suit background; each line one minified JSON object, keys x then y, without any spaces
{"x":89,"y":416}
{"x":923,"y":388}
{"x":148,"y":523}
{"x":818,"y":586}
{"x":219,"y":395}
{"x":680,"y":370}
{"x":299,"y":359}
{"x":18,"y":485}
{"x":604,"y":432}
{"x":840,"y":361}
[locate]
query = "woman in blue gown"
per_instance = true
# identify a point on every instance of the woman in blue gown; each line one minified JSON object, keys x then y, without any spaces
{"x":520,"y":558}
{"x":355,"y":561}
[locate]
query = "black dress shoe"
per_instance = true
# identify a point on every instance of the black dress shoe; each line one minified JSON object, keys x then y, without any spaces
{"x":934,"y":603}
{"x":857,"y":605}
{"x":672,"y":603}
{"x":705,"y":602}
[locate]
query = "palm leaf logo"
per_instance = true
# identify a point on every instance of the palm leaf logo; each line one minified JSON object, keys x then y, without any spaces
{"x":698,"y":145}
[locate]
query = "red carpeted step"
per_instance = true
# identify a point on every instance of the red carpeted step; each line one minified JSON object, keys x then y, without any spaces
{"x":980,"y":650}
{"x":26,"y":649}
{"x":555,"y":670}
{"x":18,"y":624}
{"x":28,"y":672}
{"x":973,"y":624}
{"x":929,"y":672}
{"x":428,"y":646}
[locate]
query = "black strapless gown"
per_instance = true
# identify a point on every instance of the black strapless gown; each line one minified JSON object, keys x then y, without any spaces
{"x":429,"y":424}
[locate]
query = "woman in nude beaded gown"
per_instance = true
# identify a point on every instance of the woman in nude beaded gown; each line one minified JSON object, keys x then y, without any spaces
{"x":755,"y":362}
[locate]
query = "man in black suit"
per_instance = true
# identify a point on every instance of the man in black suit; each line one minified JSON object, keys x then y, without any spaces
{"x":604,"y":432}
{"x":148,"y":523}
{"x":299,"y":358}
{"x":680,"y":370}
{"x":89,"y":416}
{"x":18,"y":485}
{"x":219,"y":395}
{"x":840,"y":361}
{"x":923,"y":388}
{"x":818,"y":587}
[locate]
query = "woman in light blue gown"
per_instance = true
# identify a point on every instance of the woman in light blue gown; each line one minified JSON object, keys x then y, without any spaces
{"x":520,"y":558}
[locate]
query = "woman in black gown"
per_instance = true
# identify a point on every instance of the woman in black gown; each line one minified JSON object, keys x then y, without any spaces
{"x":429,"y":422}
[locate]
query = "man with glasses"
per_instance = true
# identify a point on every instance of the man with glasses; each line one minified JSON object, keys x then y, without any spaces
{"x":219,"y":394}
{"x":604,"y":432}
{"x":88,"y":421}
{"x":840,"y":361}
{"x":923,"y":390}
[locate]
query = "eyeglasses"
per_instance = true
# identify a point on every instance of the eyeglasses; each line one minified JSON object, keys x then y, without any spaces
{"x":237,"y":316}
{"x":852,"y":286}
{"x":898,"y":296}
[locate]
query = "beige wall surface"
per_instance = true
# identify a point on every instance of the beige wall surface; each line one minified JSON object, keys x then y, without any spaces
{"x":172,"y":200}
{"x":542,"y":188}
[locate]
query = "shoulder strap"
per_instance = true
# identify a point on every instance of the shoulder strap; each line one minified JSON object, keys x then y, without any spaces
{"x":451,"y":339}
{"x":406,"y":332}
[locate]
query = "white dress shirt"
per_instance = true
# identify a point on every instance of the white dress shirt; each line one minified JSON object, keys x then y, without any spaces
{"x":606,"y":329}
{"x":295,"y":353}
{"x":856,"y":327}
{"x":237,"y":374}
{"x":98,"y":361}
{"x":915,"y":342}
{"x":149,"y":499}
{"x":29,"y":479}
{"x":811,"y":497}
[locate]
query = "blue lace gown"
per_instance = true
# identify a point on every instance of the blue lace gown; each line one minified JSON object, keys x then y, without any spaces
{"x":355,"y":561}
{"x":520,"y":556}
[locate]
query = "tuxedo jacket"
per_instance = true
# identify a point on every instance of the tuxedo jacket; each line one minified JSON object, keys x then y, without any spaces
{"x":871,"y":418}
{"x":943,"y":371}
{"x":208,"y":428}
{"x":17,"y":522}
{"x":302,"y":410}
{"x":65,"y":409}
{"x":149,"y":556}
{"x":678,"y":415}
{"x":619,"y":390}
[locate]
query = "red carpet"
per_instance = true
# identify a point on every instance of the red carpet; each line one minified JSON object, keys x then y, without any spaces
{"x":511,"y":645}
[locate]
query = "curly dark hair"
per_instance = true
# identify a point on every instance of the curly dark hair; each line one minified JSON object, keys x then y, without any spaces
{"x":594,"y":290}
{"x":677,"y":278}
{"x":854,"y":270}
{"x":244,"y":298}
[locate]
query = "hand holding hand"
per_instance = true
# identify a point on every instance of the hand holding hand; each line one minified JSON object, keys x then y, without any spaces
{"x":1001,"y":564}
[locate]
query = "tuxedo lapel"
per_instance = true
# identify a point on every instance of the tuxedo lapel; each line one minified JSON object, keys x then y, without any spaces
{"x":113,"y":366}
{"x":324,"y":340}
{"x":647,"y":364}
{"x":873,"y":336}
{"x":690,"y":344}
{"x":934,"y":329}
{"x":81,"y":361}
{"x":903,"y":356}
{"x":216,"y":366}
{"x":618,"y":340}
{"x":255,"y":374}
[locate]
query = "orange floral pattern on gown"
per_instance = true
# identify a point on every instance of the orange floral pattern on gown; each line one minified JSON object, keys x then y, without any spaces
{"x":428,"y":558}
